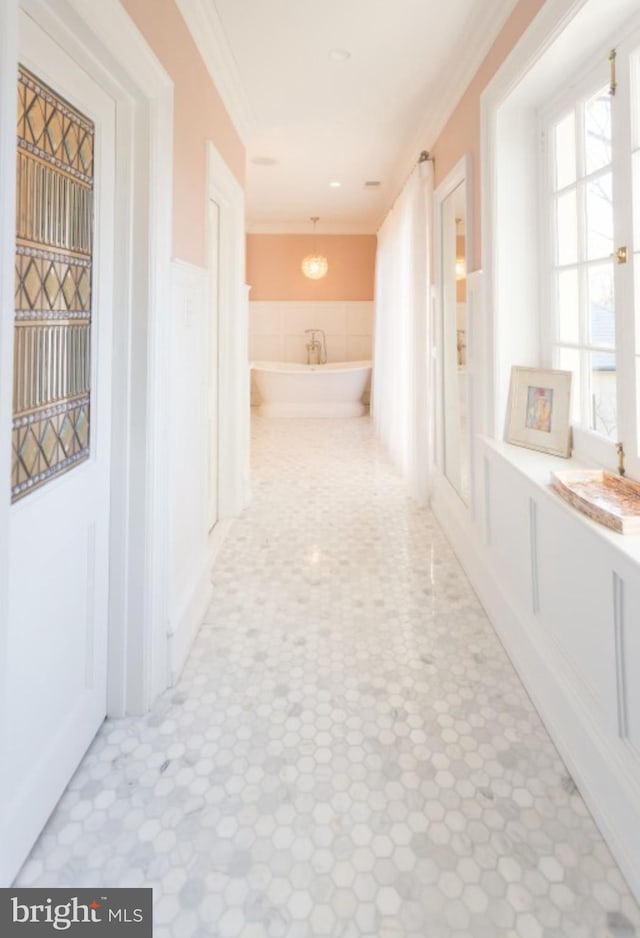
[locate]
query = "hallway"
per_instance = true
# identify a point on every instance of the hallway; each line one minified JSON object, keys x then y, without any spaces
{"x":349,"y":752}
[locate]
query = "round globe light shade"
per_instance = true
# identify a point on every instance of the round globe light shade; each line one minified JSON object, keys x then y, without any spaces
{"x":314,"y":266}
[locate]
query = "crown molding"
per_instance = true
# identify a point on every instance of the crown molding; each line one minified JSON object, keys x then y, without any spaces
{"x":203,"y":22}
{"x":470,"y":52}
{"x":481,"y":33}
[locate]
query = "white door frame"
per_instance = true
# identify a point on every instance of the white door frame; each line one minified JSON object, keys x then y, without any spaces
{"x":213,"y":358}
{"x":104,"y":40}
{"x":233,"y":340}
{"x":459,"y":173}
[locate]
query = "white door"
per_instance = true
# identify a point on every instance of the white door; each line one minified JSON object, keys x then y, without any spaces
{"x":55,"y":693}
{"x":213,"y":369}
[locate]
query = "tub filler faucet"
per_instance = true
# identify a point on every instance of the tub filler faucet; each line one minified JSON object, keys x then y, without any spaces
{"x":316,"y":348}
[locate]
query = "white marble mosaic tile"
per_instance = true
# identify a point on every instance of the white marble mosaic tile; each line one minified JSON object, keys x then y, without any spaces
{"x":349,"y":752}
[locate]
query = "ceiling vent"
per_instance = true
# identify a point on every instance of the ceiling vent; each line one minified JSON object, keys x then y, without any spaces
{"x":372,"y":183}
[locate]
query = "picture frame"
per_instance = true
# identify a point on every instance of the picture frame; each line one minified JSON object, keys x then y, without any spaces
{"x":539,"y":410}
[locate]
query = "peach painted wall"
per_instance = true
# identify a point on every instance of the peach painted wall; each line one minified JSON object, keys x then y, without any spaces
{"x":273,"y":267}
{"x":462,"y":132}
{"x":199,"y":116}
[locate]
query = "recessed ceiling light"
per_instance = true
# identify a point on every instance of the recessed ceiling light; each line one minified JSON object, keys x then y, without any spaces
{"x":263,"y":161}
{"x":335,"y":184}
{"x":339,"y":55}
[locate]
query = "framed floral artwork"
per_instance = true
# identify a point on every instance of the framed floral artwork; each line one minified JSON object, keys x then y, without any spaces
{"x":539,"y":410}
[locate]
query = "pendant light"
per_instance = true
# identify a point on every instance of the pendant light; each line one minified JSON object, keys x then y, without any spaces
{"x":315,"y":266}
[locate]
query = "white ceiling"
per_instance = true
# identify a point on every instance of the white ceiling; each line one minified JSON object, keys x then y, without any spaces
{"x":322,"y":120}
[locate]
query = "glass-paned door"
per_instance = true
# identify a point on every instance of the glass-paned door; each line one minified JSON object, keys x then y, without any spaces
{"x":54,"y":234}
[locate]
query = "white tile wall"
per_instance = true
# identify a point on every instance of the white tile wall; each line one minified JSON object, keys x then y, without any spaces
{"x":359,"y":318}
{"x":277,"y":330}
{"x":332,"y":317}
{"x":266,"y":319}
{"x":359,"y":348}
{"x":266,"y":348}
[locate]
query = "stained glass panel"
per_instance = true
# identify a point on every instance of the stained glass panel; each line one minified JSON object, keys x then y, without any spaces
{"x":54,"y":233}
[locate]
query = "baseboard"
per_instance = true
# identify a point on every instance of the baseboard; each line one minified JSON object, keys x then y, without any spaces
{"x":186,"y":621}
{"x":218,"y":536}
{"x":598,"y":763}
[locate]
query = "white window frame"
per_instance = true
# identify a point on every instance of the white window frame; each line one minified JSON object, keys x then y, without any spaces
{"x":589,"y":445}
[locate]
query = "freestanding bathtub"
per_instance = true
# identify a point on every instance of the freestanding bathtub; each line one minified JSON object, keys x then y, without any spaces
{"x":292,"y":390}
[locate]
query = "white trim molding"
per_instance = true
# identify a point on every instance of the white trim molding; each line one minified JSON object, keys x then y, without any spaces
{"x":204,"y":24}
{"x":460,"y":173}
{"x":233,"y":340}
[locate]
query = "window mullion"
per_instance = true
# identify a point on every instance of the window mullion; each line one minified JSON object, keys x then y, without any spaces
{"x":583,"y":388}
{"x":548,"y":248}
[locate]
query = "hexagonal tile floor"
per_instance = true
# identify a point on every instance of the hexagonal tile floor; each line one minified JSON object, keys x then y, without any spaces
{"x":349,"y":752}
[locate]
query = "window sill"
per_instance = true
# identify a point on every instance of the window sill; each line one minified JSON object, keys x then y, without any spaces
{"x":536,"y":468}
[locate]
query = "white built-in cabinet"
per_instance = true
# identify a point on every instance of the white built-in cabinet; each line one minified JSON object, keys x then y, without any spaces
{"x":576,"y":585}
{"x":563,"y":594}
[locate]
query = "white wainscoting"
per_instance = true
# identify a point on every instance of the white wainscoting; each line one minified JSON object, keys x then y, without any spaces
{"x":277,"y":330}
{"x":189,"y":560}
{"x":563,"y":594}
